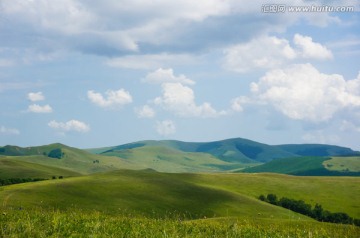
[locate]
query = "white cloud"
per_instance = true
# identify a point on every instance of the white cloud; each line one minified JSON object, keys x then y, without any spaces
{"x":8,"y":131}
{"x":262,"y":52}
{"x":180,"y":100}
{"x":40,"y":109}
{"x":149,"y":61}
{"x":113,"y":28}
{"x":166,"y":127}
{"x":113,"y":99}
{"x":160,"y":76}
{"x":34,"y":97}
{"x":238,"y":103}
{"x":310,"y":49}
{"x":268,"y":52}
{"x":145,"y":112}
{"x":301,"y":92}
{"x":72,"y":125}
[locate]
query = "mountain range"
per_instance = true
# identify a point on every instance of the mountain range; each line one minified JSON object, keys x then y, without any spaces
{"x":231,"y":155}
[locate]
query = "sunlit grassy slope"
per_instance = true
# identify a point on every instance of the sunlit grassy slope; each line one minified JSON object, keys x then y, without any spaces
{"x":319,"y":166}
{"x":198,"y":195}
{"x":343,"y":164}
{"x":76,"y":160}
{"x":167,"y":159}
{"x":10,"y":168}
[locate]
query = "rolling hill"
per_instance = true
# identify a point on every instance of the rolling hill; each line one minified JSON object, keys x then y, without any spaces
{"x":225,"y":155}
{"x":177,"y":156}
{"x":67,"y":158}
{"x":311,"y":166}
{"x":148,"y":193}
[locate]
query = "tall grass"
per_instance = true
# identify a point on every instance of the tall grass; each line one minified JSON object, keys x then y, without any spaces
{"x":77,"y":223}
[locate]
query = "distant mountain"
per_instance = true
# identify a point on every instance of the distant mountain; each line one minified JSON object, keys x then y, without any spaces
{"x":236,"y":150}
{"x":171,"y":156}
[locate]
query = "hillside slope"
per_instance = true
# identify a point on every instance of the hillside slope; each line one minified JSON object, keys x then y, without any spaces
{"x":196,"y":195}
{"x":236,"y":150}
{"x":10,"y":168}
{"x":311,"y":166}
{"x":68,"y":158}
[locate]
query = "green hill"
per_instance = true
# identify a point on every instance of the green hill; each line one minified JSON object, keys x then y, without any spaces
{"x":236,"y":150}
{"x":318,"y":150}
{"x":313,"y":166}
{"x":168,"y":159}
{"x":10,"y":168}
{"x":66,"y":158}
{"x":148,"y":193}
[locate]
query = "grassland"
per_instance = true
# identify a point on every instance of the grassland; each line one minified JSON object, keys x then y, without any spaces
{"x":166,"y":159}
{"x":198,"y":195}
{"x":345,"y":164}
{"x":75,"y":160}
{"x":78,"y":223}
{"x":10,"y":168}
{"x":150,"y":204}
{"x":310,"y":165}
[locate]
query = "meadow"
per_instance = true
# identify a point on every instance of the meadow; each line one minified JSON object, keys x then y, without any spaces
{"x":127,"y":203}
{"x":78,"y":223}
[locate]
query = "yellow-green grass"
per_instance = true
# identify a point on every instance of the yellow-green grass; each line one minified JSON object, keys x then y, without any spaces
{"x":78,"y":223}
{"x":166,"y":159}
{"x":197,"y":195}
{"x":349,"y":164}
{"x":141,"y":192}
{"x":79,"y":161}
{"x":336,"y":194}
{"x":10,"y":168}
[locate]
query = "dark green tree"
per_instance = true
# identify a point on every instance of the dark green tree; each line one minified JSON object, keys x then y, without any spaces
{"x":272,"y":198}
{"x":56,"y":153}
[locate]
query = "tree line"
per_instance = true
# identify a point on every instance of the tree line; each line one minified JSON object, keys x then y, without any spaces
{"x":9,"y":181}
{"x":318,"y":213}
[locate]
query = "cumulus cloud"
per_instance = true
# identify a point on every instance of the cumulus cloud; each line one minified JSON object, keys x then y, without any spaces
{"x":301,"y":92}
{"x":262,"y":52}
{"x":34,"y":97}
{"x":160,"y":76}
{"x":112,"y":99}
{"x":145,"y":112}
{"x":180,"y":100}
{"x":131,"y":26}
{"x":40,"y":109}
{"x":72,"y":125}
{"x":310,"y":49}
{"x":268,"y":52}
{"x":8,"y":131}
{"x":166,"y":127}
{"x":237,"y":104}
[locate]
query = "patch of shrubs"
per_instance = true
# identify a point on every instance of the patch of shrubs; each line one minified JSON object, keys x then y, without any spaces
{"x":56,"y":153}
{"x":318,"y":213}
{"x":10,"y":181}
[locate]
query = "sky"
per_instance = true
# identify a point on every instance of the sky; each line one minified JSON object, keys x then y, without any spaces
{"x":101,"y":73}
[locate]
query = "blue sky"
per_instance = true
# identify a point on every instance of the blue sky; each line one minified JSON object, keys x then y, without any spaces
{"x":100,"y":73}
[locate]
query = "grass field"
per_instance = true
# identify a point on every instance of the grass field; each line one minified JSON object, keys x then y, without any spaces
{"x":10,"y":168}
{"x":349,"y":164}
{"x":78,"y":223}
{"x":198,"y":195}
{"x":128,"y":203}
